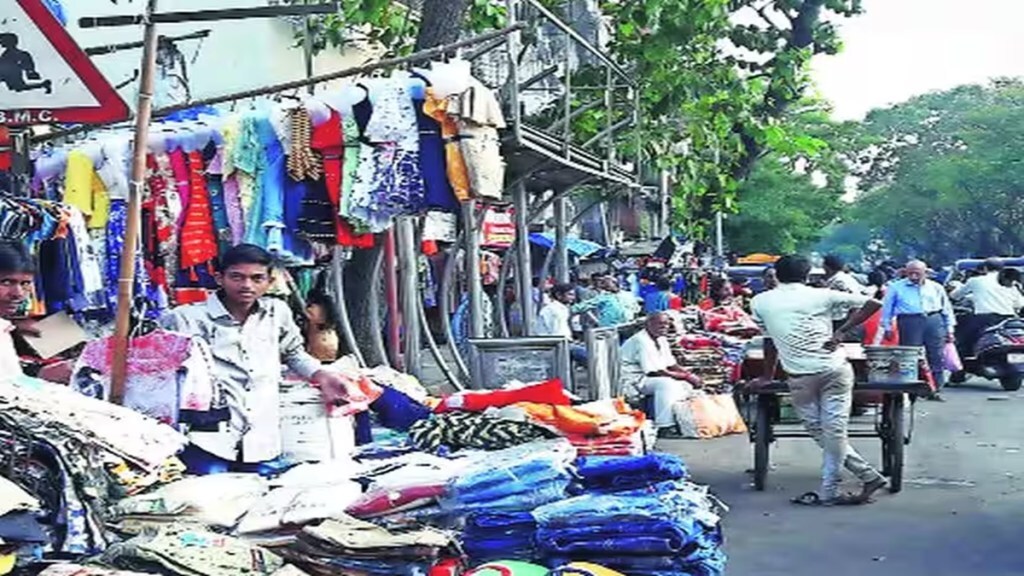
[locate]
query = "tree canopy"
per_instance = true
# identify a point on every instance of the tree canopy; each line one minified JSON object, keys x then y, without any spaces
{"x":944,"y":178}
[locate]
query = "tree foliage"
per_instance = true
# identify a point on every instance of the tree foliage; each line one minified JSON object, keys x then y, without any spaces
{"x":945,"y":177}
{"x":795,"y":192}
{"x":715,"y":76}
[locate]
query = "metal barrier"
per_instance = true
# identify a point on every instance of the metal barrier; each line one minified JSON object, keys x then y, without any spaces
{"x":603,"y":363}
{"x":496,"y":362}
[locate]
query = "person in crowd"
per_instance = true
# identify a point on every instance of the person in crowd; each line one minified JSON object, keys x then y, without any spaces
{"x":874,"y":334}
{"x":924,"y":317}
{"x":650,"y":369}
{"x":628,"y":301}
{"x":585,"y":289}
{"x":726,"y":315}
{"x":17,"y":280}
{"x":605,"y":309}
{"x":250,"y":337}
{"x":663,"y":299}
{"x":994,"y":298}
{"x":771,"y":281}
{"x":797,"y":320}
{"x":555,"y":318}
{"x":837,"y":278}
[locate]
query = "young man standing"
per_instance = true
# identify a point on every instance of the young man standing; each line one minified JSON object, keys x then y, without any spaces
{"x":797,"y":319}
{"x":251,"y":337}
{"x":554,"y":319}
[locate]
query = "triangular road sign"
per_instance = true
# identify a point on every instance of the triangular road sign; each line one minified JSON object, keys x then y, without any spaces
{"x":45,"y":77}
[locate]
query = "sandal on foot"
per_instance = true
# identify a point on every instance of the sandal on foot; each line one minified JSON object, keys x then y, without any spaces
{"x":871,"y":487}
{"x":812,"y":499}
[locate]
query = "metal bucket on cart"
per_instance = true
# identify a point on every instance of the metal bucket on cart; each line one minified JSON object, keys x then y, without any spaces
{"x":893,"y":364}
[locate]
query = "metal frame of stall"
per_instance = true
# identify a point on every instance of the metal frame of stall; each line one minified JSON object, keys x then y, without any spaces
{"x":546,"y":161}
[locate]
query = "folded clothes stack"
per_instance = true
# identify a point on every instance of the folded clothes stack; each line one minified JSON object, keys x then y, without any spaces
{"x":21,"y":534}
{"x":662,"y":530}
{"x":347,"y":545}
{"x":516,"y":479}
{"x":77,"y":455}
{"x":614,"y":474}
{"x":494,"y":535}
{"x":177,"y":550}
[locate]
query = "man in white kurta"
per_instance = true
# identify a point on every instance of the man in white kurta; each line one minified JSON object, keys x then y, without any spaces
{"x":650,"y":369}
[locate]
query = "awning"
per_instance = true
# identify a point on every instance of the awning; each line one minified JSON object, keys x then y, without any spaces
{"x":576,"y":246}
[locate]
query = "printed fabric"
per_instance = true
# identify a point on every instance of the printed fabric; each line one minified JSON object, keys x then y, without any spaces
{"x":479,"y":118}
{"x":465,"y":430}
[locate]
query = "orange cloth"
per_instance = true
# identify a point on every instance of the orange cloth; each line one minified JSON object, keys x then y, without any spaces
{"x":716,"y":318}
{"x":458,"y":175}
{"x":611,"y":417}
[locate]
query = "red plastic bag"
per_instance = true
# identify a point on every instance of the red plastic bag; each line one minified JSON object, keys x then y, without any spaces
{"x":951,"y":358}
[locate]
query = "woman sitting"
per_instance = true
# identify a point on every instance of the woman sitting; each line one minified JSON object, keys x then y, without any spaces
{"x":726,"y":315}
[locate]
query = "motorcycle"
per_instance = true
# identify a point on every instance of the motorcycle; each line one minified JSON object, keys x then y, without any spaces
{"x":998,"y":354}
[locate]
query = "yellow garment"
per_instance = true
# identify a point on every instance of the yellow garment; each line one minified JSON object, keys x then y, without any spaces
{"x":611,"y":417}
{"x":7,"y":562}
{"x":458,"y":175}
{"x":586,"y":569}
{"x":84,"y":190}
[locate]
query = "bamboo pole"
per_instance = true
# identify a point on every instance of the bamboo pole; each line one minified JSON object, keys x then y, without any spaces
{"x":126,"y":282}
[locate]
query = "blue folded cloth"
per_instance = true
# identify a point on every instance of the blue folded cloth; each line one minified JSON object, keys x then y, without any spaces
{"x":612,"y":473}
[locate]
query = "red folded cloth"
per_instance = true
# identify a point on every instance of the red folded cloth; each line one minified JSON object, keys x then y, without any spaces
{"x":549,"y":392}
{"x":388,"y":500}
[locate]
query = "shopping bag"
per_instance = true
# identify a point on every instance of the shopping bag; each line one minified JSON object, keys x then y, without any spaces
{"x":952,"y":358}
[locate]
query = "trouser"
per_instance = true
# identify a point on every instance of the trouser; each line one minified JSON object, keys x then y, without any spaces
{"x":928,"y":331}
{"x":666,"y":392}
{"x":823,"y":403}
{"x":974,"y":325}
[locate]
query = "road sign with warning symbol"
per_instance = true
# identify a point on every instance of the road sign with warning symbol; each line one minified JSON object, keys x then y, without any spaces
{"x":45,"y":77}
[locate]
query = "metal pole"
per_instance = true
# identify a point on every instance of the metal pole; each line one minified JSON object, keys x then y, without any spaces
{"x":307,"y":49}
{"x":391,"y":298}
{"x":410,"y":294}
{"x":472,"y":270}
{"x":126,"y":281}
{"x":720,"y":240}
{"x":664,"y":214}
{"x":524,"y":269}
{"x":338,"y":259}
{"x":513,"y":41}
{"x":561,"y":236}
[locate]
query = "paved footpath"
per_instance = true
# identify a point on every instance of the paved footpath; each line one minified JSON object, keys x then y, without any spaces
{"x":961,"y":511}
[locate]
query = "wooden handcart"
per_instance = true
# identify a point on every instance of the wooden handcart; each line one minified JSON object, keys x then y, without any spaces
{"x":892,"y":421}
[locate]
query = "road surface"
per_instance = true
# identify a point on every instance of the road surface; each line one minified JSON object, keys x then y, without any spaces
{"x":961,"y":510}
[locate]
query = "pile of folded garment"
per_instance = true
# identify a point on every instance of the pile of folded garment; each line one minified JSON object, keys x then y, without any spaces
{"x":615,"y":474}
{"x":607,"y":427}
{"x":179,"y":550}
{"x":494,"y":535}
{"x":512,"y":480}
{"x":404,"y":490}
{"x":347,"y":545}
{"x":666,"y":529}
{"x":77,"y":455}
{"x":22,"y":537}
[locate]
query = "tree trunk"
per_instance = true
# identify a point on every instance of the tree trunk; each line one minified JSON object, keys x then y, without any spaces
{"x":441,"y":22}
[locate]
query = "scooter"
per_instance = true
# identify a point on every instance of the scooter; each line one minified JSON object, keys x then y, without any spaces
{"x":998,"y":355}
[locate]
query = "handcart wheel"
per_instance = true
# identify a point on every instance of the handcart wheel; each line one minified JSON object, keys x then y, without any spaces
{"x":762,"y":441}
{"x":897,"y":442}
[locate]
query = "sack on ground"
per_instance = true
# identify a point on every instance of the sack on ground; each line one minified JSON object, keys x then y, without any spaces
{"x":708,"y":416}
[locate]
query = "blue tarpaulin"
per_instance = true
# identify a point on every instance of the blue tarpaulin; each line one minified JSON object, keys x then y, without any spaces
{"x":576,"y":246}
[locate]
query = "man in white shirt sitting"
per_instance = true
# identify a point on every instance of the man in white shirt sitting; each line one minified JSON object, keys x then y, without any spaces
{"x":797,"y":319}
{"x":993,"y":300}
{"x":650,"y":369}
{"x":554,"y":318}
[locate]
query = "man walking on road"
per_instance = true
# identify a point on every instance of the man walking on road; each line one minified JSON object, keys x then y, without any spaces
{"x":798,"y":322}
{"x":924,"y":317}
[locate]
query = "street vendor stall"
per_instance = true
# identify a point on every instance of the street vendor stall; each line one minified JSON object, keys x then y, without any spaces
{"x":892,"y":423}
